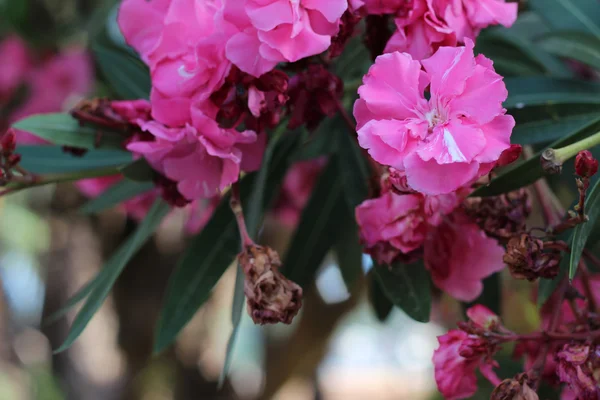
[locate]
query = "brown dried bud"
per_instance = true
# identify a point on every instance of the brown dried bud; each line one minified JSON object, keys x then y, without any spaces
{"x":527,"y":259}
{"x":272,"y":298}
{"x":585,"y":164}
{"x":514,"y":389}
{"x":550,"y":164}
{"x":501,"y":216}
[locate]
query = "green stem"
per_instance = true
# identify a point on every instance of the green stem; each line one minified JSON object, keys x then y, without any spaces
{"x":42,"y":180}
{"x":563,"y":154}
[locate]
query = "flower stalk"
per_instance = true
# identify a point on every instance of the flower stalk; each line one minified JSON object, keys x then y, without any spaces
{"x":553,"y":159}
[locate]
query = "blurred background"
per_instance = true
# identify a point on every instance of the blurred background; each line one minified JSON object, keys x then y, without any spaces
{"x":338,"y":348}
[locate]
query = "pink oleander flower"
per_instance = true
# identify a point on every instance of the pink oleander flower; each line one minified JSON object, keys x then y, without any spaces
{"x":443,"y":143}
{"x":456,"y":360}
{"x":388,"y":6}
{"x":202,"y":158}
{"x":268,"y":32}
{"x":15,"y":64}
{"x":184,"y":49}
{"x":296,"y":190}
{"x":424,"y":25}
{"x":579,"y":367}
{"x":459,"y":256}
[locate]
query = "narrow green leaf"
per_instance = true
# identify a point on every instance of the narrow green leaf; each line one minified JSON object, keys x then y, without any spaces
{"x":582,"y":15}
{"x":354,"y":172}
{"x":115,"y":195}
{"x":64,"y":130}
{"x":578,"y":46}
{"x":348,"y":251}
{"x":527,"y":172}
{"x":139,"y":171}
{"x":407,"y":287}
{"x":320,"y":142}
{"x":548,"y":130}
{"x":212,"y":251}
{"x":127,"y":75}
{"x":114,"y":267}
{"x":236,"y":317}
{"x":536,"y":91}
{"x":582,"y":231}
{"x":318,"y":227}
{"x":47,"y":159}
{"x":380,"y":302}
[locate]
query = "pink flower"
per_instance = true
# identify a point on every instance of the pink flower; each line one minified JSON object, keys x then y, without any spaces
{"x":456,"y":360}
{"x":296,"y":190}
{"x":578,"y":366}
{"x":430,"y":24}
{"x":201,"y":157}
{"x":15,"y":64}
{"x":459,"y":256}
{"x":443,"y":143}
{"x":271,"y":31}
{"x":388,"y":6}
{"x":184,"y":49}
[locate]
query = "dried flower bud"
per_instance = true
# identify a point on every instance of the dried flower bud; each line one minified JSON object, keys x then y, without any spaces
{"x":585,"y":164}
{"x":271,"y":297}
{"x":501,"y":216}
{"x":526,"y":258}
{"x":514,"y":389}
{"x":550,"y":164}
{"x":509,"y":155}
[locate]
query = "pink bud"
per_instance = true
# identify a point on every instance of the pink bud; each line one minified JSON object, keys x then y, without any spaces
{"x":483,"y":317}
{"x":509,"y":155}
{"x":8,"y":141}
{"x":585,"y":164}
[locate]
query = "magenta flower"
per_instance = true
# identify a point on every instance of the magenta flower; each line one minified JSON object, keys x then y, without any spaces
{"x":201,"y":157}
{"x":578,"y":366}
{"x":425,"y":25}
{"x":456,"y":361}
{"x":183,"y":48}
{"x":268,"y":32}
{"x":443,"y":143}
{"x":459,"y":256}
{"x":15,"y":64}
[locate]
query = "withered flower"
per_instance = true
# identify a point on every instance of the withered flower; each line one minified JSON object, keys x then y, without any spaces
{"x":514,"y":389}
{"x":527,"y":259}
{"x":501,"y":216}
{"x":272,"y":298}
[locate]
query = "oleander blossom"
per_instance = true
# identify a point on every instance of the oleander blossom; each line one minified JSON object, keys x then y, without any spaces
{"x":424,"y":25}
{"x":267,"y":32}
{"x":404,"y":227}
{"x":201,"y":157}
{"x":443,"y":143}
{"x":456,"y":360}
{"x":184,"y":49}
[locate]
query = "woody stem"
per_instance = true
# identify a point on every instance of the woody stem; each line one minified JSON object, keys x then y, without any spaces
{"x":236,"y":206}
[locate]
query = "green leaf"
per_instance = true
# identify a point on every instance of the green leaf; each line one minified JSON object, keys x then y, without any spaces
{"x":64,"y":130}
{"x":354,"y":172}
{"x":236,"y":317}
{"x":126,"y":74}
{"x":407,"y":287}
{"x":582,"y":15}
{"x":115,"y":195}
{"x":81,"y":294}
{"x":525,"y":49}
{"x":112,"y":269}
{"x":527,"y":172}
{"x":551,"y":129}
{"x":139,"y":171}
{"x":211,"y":252}
{"x":380,"y":302}
{"x":582,"y":232}
{"x":536,"y":91}
{"x":321,"y":142}
{"x":318,"y":227}
{"x":578,"y":46}
{"x":46,"y":159}
{"x":348,"y":251}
